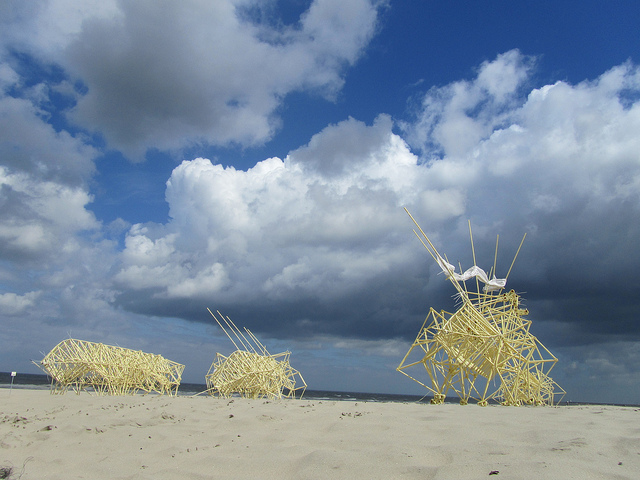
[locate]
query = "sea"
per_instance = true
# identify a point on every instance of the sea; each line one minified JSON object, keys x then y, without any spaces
{"x":41,"y":381}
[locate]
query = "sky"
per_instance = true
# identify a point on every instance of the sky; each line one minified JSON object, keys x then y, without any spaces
{"x":159,"y":158}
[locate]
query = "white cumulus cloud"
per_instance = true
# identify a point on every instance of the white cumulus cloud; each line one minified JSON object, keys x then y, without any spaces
{"x":12,"y":304}
{"x":283,"y":226}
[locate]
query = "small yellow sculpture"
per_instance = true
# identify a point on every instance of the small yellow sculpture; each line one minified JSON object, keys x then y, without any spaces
{"x":484,"y":351}
{"x":109,"y":370}
{"x":251,"y":372}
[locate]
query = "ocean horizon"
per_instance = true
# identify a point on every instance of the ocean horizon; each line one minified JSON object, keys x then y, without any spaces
{"x":43,"y":381}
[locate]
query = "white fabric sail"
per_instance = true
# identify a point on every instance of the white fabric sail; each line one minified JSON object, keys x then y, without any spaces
{"x":475,"y":271}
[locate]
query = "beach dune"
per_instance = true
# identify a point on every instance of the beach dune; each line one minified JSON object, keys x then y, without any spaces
{"x":45,"y":436}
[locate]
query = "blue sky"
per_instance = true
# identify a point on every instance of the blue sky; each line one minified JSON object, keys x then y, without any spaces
{"x":254,"y":157}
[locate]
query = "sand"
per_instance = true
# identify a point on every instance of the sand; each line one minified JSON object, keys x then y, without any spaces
{"x":43,"y":436}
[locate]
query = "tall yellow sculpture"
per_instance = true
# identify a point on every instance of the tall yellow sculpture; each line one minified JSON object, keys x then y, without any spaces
{"x":484,"y":351}
{"x":251,"y":371}
{"x":109,"y":370}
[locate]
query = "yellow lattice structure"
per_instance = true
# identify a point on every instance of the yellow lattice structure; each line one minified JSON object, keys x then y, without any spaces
{"x":484,"y":351}
{"x":251,"y":371}
{"x":108,"y":370}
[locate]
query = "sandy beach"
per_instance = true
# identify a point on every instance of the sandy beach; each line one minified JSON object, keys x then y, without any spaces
{"x":43,"y":436}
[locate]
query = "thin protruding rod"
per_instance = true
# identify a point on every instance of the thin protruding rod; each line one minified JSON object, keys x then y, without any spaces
{"x":432,"y":251}
{"x":473,"y":251}
{"x":516,"y":255}
{"x":255,"y":339}
{"x":223,"y":329}
{"x":495,"y":257}
{"x":231,"y":326}
{"x":238,"y":333}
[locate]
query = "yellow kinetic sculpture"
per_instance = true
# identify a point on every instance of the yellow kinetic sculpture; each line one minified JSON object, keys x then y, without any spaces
{"x":484,"y":351}
{"x":251,"y":371}
{"x":109,"y":370}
